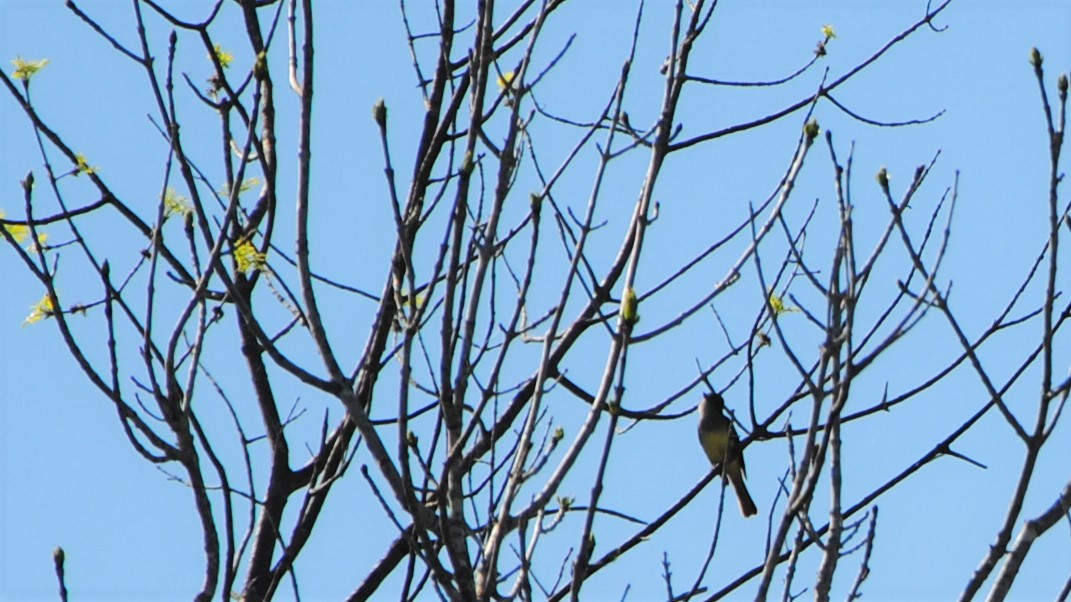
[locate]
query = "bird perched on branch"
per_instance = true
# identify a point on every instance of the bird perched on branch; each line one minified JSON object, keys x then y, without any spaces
{"x":722,"y":446}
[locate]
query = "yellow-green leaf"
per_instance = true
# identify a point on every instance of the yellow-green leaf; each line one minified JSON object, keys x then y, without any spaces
{"x":248,"y":258}
{"x":82,"y":165}
{"x":24,"y":69}
{"x":36,"y":247}
{"x":17,"y":231}
{"x":176,"y":204}
{"x":41,"y":310}
{"x":777,"y":304}
{"x":245,"y":186}
{"x":225,"y":58}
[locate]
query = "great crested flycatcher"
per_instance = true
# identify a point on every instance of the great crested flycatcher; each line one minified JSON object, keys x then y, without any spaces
{"x":722,"y":446}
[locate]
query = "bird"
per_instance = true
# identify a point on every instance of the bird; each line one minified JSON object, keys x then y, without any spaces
{"x":722,"y":446}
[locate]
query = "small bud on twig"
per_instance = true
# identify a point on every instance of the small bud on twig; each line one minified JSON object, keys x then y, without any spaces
{"x":379,"y":113}
{"x":883,"y":178}
{"x":467,"y":164}
{"x":260,"y":67}
{"x":629,"y":306}
{"x":1036,"y":58}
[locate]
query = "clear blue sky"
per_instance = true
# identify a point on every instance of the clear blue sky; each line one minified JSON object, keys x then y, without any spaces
{"x":69,"y":478}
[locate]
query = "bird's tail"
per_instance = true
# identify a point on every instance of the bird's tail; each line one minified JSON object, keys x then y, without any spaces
{"x":747,"y":505}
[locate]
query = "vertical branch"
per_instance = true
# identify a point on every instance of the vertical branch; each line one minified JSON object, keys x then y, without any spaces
{"x":304,"y":167}
{"x":1055,"y":217}
{"x":626,"y":320}
{"x":1033,"y":441}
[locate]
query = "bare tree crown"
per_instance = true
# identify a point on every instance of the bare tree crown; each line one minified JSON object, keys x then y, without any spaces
{"x":479,"y":339}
